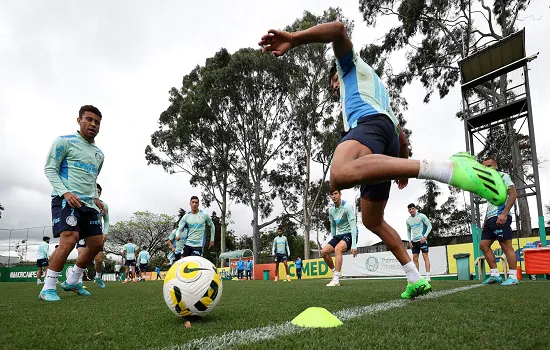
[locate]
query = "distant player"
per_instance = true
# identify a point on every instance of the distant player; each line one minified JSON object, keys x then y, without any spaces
{"x":196,"y":221}
{"x":418,"y":229}
{"x":343,"y":228}
{"x":157,"y":270}
{"x":298,"y":263}
{"x":248,"y":269}
{"x":281,"y":251}
{"x":42,"y":258}
{"x":129,"y":257}
{"x":72,"y":167}
{"x":117,"y":272}
{"x":498,"y":226}
{"x":143,"y":257}
{"x":240,"y":269}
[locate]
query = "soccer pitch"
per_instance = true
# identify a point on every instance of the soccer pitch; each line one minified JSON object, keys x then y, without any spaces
{"x":257,"y":315}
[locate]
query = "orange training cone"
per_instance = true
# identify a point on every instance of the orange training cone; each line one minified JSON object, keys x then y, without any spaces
{"x":519,"y":277}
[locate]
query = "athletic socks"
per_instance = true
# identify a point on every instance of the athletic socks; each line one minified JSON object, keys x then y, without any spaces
{"x":438,"y":170}
{"x":513,"y":274}
{"x":494,"y":273}
{"x":336,"y":276}
{"x":76,"y":276}
{"x":412,"y":273}
{"x":50,"y":282}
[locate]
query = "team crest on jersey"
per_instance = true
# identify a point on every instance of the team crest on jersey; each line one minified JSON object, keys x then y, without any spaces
{"x":71,"y":220}
{"x":98,"y":157}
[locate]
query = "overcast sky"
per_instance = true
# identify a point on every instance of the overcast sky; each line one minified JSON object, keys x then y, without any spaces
{"x":124,"y":56}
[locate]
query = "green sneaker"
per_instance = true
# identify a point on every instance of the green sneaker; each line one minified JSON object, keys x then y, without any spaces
{"x":471,"y":176}
{"x":416,"y":289}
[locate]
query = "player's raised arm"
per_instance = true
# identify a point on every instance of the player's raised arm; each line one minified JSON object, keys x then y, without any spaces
{"x":279,"y":42}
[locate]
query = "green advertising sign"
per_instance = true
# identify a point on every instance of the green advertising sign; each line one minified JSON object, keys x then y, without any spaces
{"x":24,"y":273}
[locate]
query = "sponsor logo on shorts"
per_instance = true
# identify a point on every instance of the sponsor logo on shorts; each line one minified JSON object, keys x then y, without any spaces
{"x":56,"y":221}
{"x":71,"y":220}
{"x":94,"y":222}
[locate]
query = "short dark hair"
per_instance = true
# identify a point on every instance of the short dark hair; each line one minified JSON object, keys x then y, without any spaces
{"x":335,"y":191}
{"x":411,"y":206}
{"x":89,"y":108}
{"x":45,"y":238}
{"x":280,"y":227}
{"x":130,"y":239}
{"x":99,"y":187}
{"x":144,"y":247}
{"x":491,"y":157}
{"x":194,"y":197}
{"x":332,"y":71}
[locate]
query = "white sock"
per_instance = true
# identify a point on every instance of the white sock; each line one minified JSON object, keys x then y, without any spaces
{"x":336,"y":276}
{"x":412,"y":272}
{"x":287,"y":277}
{"x":50,"y":282}
{"x":494,"y":272}
{"x":438,"y":170}
{"x":38,"y":280}
{"x":99,"y":275}
{"x":76,"y":276}
{"x":513,"y":273}
{"x":428,"y":274}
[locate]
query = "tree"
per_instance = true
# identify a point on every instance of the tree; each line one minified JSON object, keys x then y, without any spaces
{"x":196,"y":137}
{"x":213,"y":253}
{"x":146,"y":228}
{"x":440,"y":33}
{"x":257,"y":90}
{"x":1,"y":208}
{"x":547,"y":207}
{"x":427,"y":205}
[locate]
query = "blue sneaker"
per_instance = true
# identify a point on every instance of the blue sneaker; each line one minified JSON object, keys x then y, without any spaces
{"x":49,"y":295}
{"x":100,"y":283}
{"x":492,"y":280}
{"x":510,"y":282}
{"x":77,"y":288}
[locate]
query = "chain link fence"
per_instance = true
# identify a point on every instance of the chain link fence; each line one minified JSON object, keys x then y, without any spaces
{"x":20,"y":246}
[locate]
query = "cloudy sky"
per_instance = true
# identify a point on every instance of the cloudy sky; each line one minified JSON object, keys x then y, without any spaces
{"x":124,"y":56}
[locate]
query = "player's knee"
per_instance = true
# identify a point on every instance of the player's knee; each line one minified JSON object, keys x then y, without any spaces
{"x":326,"y":251}
{"x":484,"y":247}
{"x":374,"y":225}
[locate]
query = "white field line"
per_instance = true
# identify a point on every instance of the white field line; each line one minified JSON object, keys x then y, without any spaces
{"x":232,"y":339}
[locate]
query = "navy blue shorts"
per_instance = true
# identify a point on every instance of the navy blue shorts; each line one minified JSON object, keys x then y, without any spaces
{"x":191,"y":251}
{"x":280,"y":257}
{"x":379,"y":134}
{"x":130,"y":263}
{"x":493,"y":232}
{"x":336,"y":239}
{"x":81,"y":243}
{"x":84,"y":220}
{"x":417,"y":247}
{"x":143,"y":267}
{"x":42,"y":262}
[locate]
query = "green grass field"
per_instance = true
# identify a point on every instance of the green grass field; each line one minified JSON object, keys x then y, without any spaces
{"x":134,"y":316}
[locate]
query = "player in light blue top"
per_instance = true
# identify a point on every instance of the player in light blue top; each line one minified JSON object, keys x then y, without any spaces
{"x":374,"y":150}
{"x":281,"y":251}
{"x":196,"y":222}
{"x":343,"y":228}
{"x":248,"y":269}
{"x":498,"y":226}
{"x":72,"y":166}
{"x":143,"y":258}
{"x":129,"y":256}
{"x":42,"y":258}
{"x":240,"y":269}
{"x":418,"y":229}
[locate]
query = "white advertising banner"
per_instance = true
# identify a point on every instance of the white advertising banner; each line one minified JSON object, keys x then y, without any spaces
{"x":385,"y":264}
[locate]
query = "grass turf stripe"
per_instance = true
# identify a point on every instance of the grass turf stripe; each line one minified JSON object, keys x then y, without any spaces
{"x":237,"y":337}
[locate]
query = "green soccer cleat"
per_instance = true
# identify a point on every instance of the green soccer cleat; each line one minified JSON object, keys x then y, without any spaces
{"x":471,"y":176}
{"x":77,"y":288}
{"x":416,"y":289}
{"x":49,"y":295}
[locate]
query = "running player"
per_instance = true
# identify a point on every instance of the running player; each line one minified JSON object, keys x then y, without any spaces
{"x":42,"y":258}
{"x":375,"y":150}
{"x":343,"y":227}
{"x":143,"y":257}
{"x":72,"y":167}
{"x":196,"y":221}
{"x":498,"y":226}
{"x":129,"y":256}
{"x":281,"y":251}
{"x":418,"y":229}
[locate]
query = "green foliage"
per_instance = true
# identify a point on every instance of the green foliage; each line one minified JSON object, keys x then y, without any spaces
{"x":213,"y":253}
{"x":1,"y":208}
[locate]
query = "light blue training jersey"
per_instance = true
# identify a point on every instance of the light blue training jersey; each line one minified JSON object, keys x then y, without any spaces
{"x":280,"y":246}
{"x":362,"y":93}
{"x":342,"y":221}
{"x":196,"y":224}
{"x":130,"y":249}
{"x":418,"y":226}
{"x":144,"y":257}
{"x":43,"y":251}
{"x":493,"y":210}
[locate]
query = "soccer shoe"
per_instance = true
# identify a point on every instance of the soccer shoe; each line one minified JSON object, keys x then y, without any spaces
{"x":333,"y":283}
{"x":125,"y":281}
{"x":77,"y":288}
{"x":471,"y":176}
{"x":276,"y":279}
{"x":134,"y":280}
{"x":510,"y":281}
{"x":492,"y":280}
{"x":100,"y":282}
{"x":49,"y":295}
{"x":416,"y":289}
{"x":428,"y":278}
{"x":288,"y":279}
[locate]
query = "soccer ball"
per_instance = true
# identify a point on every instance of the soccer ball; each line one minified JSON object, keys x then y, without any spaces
{"x":192,"y":287}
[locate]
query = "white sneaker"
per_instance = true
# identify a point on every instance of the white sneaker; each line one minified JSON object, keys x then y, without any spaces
{"x":333,"y":283}
{"x":428,"y":278}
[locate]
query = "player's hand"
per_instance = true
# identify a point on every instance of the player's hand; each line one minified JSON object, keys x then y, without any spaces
{"x":104,"y":238}
{"x":276,"y":41}
{"x":211,"y":244}
{"x":501,"y":220}
{"x":402,"y":183}
{"x":410,"y":245}
{"x":173,"y":250}
{"x":73,"y":200}
{"x":100,"y":206}
{"x":354,"y":252}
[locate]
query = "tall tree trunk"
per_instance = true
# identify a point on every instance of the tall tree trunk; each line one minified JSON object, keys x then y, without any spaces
{"x":305,"y":202}
{"x":256,"y":223}
{"x":223,"y":223}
